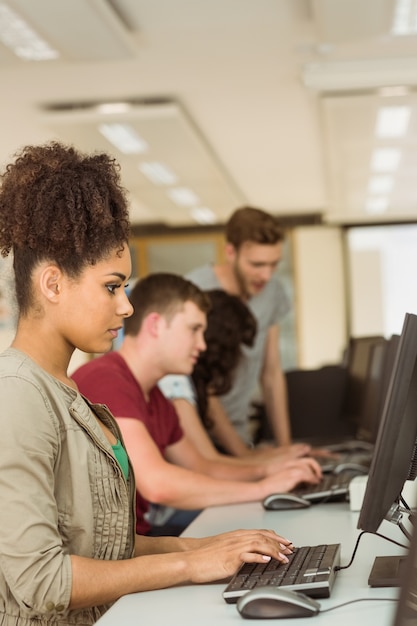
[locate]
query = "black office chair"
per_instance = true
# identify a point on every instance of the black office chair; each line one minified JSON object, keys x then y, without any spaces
{"x":315,"y":401}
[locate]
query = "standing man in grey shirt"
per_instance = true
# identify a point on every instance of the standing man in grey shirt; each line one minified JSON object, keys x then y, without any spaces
{"x":254,"y":241}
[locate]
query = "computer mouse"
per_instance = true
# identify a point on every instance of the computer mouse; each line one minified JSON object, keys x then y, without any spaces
{"x":350,"y":466}
{"x":275,"y":603}
{"x":283,"y":501}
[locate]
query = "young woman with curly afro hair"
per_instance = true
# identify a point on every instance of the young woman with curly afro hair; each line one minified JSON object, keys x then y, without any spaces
{"x":68,"y":547}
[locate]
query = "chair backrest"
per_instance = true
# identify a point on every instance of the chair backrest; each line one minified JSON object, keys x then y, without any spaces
{"x":315,"y":401}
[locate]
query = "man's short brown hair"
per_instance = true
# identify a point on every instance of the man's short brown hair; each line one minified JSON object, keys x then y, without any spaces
{"x":165,"y":294}
{"x":251,"y":224}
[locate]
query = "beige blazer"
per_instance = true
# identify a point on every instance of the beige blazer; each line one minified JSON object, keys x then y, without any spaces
{"x":62,"y":492}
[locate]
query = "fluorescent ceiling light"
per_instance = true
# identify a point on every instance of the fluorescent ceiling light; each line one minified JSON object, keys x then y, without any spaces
{"x":385,"y":159}
{"x":380,"y":185}
{"x":184,"y":197}
{"x":405,"y":18}
{"x":394,"y":91}
{"x":361,"y":73}
{"x":203,"y":215}
{"x":124,"y":138}
{"x":158,"y":173}
{"x":392,"y":121}
{"x":22,"y":40}
{"x":379,"y":204}
{"x":111,"y":108}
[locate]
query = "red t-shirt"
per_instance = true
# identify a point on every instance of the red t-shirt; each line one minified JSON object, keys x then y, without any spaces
{"x":108,"y":380}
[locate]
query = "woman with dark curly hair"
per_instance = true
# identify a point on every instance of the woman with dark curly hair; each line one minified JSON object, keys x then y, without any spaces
{"x":68,"y":547}
{"x":231,"y":327}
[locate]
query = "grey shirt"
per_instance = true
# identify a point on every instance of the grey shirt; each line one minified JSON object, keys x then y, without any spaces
{"x":269,"y":307}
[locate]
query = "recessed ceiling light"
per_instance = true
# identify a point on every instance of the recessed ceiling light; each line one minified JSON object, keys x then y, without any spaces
{"x":158,"y":173}
{"x":385,"y":159}
{"x":203,"y":215}
{"x":111,"y":108}
{"x":124,"y":138}
{"x":380,"y":185}
{"x":184,"y":197}
{"x":392,"y":121}
{"x":22,"y":40}
{"x":379,"y":204}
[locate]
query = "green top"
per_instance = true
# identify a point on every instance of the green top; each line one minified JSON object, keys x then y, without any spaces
{"x":121,"y":456}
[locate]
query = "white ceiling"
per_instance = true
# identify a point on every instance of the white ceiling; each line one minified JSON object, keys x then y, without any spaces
{"x":267,"y":102}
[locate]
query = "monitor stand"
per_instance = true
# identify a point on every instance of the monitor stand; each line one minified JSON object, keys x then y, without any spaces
{"x":387,"y":571}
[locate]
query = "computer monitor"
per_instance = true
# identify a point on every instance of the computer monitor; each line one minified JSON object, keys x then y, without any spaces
{"x":394,"y":456}
{"x":380,"y":366}
{"x":358,"y":358}
{"x":406,"y":612}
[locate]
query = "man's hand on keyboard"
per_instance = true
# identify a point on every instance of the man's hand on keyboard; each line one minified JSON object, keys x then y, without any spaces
{"x":292,"y":473}
{"x":281,"y":463}
{"x":215,"y":558}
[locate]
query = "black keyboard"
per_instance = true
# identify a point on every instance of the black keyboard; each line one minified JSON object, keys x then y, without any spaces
{"x":311,"y":570}
{"x":331,"y":487}
{"x":351,"y":445}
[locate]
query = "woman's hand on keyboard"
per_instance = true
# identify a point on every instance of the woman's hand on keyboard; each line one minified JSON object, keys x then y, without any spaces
{"x":293,"y":451}
{"x":218,"y":557}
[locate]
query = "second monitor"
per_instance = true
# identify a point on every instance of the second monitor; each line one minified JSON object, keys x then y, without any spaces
{"x":394,"y":460}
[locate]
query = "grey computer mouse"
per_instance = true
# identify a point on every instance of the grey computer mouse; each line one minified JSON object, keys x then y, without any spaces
{"x":282,"y":501}
{"x":350,"y":466}
{"x":275,"y":603}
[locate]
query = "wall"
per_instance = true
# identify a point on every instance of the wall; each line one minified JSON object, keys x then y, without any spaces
{"x":7,"y":303}
{"x":320,"y":295}
{"x":381,"y":263}
{"x":366,"y":294}
{"x":318,"y":291}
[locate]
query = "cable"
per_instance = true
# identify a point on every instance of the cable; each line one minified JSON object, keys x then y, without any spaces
{"x":404,"y":503}
{"x":404,"y":530}
{"x":338,"y":606}
{"x":397,"y":543}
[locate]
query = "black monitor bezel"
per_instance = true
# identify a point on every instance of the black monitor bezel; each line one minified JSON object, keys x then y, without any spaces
{"x":397,"y":433}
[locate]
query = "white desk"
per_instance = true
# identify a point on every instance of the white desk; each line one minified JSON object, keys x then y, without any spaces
{"x":327,"y":523}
